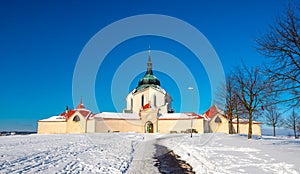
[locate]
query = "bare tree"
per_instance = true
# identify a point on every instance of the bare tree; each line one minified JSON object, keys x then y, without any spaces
{"x":282,"y":47}
{"x":292,"y":122}
{"x":238,"y":110}
{"x":251,"y":92}
{"x":227,"y":100}
{"x":273,"y":118}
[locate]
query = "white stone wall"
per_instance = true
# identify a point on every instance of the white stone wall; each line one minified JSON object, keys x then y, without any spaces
{"x":91,"y":126}
{"x":157,"y":98}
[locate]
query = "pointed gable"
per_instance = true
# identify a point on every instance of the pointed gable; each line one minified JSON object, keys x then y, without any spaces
{"x":80,"y":108}
{"x":211,"y":112}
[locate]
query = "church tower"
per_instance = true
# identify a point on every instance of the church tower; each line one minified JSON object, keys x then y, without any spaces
{"x":148,"y":94}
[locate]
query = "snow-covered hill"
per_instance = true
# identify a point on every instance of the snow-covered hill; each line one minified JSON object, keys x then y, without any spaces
{"x":137,"y":153}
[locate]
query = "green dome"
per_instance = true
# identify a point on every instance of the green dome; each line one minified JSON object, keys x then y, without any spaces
{"x":149,"y":79}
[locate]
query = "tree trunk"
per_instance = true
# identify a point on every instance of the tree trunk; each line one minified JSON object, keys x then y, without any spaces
{"x":250,"y":126}
{"x":295,"y":132}
{"x":230,"y":124}
{"x":274,"y":131}
{"x":237,"y":124}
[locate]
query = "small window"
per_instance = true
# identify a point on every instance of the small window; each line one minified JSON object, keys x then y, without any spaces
{"x":142,"y":102}
{"x":76,"y":118}
{"x":218,"y":120}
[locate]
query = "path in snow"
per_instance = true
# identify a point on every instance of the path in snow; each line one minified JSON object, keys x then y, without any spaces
{"x":168,"y":162}
{"x":151,"y":157}
{"x":143,"y":161}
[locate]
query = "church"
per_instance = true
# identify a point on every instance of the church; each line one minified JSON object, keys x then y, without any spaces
{"x":148,"y":110}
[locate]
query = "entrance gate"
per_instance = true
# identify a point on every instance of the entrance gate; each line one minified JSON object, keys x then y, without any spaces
{"x":149,"y":127}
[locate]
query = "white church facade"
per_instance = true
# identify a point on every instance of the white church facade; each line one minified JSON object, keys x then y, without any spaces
{"x":148,"y":110}
{"x":148,"y":93}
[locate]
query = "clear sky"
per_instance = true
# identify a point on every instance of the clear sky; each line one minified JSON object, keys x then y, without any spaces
{"x":40,"y":42}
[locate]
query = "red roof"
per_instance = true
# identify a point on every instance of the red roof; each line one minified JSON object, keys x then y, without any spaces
{"x":84,"y":113}
{"x":211,"y":112}
{"x":70,"y":113}
{"x":193,"y":114}
{"x":80,"y":108}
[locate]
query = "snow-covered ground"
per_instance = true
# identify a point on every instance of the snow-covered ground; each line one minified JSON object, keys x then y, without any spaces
{"x":77,"y":153}
{"x":220,"y":153}
{"x":137,"y":153}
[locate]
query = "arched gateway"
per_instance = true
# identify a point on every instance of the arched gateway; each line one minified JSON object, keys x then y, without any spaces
{"x":149,"y":127}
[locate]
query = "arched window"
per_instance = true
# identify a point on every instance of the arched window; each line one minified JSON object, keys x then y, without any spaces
{"x":131,"y":103}
{"x":218,"y":120}
{"x":76,"y":118}
{"x":154,"y":100}
{"x":142,"y":102}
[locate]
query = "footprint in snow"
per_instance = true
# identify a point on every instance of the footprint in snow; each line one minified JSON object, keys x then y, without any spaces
{"x":241,"y":170}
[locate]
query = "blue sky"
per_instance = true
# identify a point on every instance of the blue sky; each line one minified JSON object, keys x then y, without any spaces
{"x":42,"y":40}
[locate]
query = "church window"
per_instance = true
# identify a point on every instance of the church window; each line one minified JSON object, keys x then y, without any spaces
{"x":218,"y":120}
{"x":154,"y":100}
{"x":142,"y":102}
{"x":131,"y":103}
{"x":76,"y":118}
